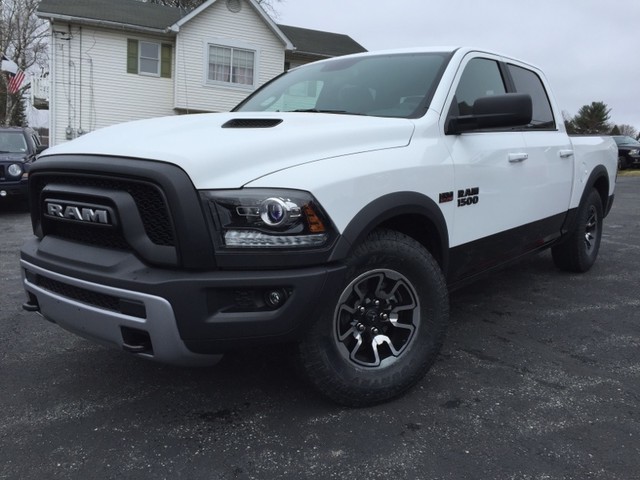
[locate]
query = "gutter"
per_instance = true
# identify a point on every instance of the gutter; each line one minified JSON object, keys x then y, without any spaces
{"x":104,"y":23}
{"x":315,"y":54}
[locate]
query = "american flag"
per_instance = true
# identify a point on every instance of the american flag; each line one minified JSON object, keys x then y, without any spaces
{"x":16,"y":76}
{"x":15,"y":82}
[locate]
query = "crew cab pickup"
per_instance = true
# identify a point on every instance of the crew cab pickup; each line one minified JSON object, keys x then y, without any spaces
{"x":333,"y":209}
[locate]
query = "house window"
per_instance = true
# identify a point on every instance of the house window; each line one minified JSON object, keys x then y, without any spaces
{"x":231,"y":65}
{"x":149,"y":58}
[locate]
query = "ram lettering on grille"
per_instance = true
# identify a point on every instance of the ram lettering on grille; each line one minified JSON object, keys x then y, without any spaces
{"x":80,"y":214}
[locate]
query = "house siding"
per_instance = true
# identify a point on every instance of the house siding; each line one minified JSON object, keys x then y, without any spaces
{"x":244,"y":29}
{"x":91,"y":87}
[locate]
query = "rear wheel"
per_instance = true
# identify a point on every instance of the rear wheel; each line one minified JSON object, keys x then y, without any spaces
{"x":384,"y":329}
{"x":579,"y":251}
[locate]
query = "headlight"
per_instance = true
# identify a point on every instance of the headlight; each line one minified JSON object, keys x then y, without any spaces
{"x":635,"y":151}
{"x":15,"y":170}
{"x":261,"y":218}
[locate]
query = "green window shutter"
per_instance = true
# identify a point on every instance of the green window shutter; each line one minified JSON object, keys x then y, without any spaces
{"x":132,"y":56}
{"x":165,"y":61}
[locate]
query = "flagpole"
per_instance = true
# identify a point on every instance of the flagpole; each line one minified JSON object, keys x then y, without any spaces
{"x":6,"y":103}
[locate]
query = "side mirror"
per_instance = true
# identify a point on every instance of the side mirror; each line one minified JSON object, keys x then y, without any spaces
{"x":495,"y":111}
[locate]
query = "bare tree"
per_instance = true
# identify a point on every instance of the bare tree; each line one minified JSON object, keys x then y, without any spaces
{"x":627,"y":130}
{"x":23,"y":39}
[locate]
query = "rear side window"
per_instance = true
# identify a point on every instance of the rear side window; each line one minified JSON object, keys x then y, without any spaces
{"x":481,"y":78}
{"x":527,"y":81}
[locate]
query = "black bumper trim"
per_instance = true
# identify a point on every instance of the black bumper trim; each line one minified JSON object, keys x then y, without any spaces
{"x":214,"y":310}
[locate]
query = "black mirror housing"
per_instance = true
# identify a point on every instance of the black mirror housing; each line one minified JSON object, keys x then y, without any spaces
{"x":495,"y":111}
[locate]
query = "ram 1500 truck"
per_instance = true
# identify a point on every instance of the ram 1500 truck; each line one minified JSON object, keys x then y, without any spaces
{"x":333,"y":209}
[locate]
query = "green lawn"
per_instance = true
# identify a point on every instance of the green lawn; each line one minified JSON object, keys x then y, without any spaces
{"x":629,"y":173}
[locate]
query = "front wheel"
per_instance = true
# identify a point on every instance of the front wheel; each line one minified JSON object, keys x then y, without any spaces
{"x":579,"y":251}
{"x":383,"y":331}
{"x":623,"y":164}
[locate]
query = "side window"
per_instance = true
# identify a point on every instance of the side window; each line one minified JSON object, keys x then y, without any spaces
{"x":149,"y":58}
{"x":527,"y":81}
{"x":481,"y":78}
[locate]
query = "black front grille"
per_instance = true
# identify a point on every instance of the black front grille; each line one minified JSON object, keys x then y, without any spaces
{"x":89,"y":234}
{"x":100,"y":300}
{"x":148,"y":198}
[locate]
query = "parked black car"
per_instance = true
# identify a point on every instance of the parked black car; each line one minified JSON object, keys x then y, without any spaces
{"x":18,"y":149}
{"x":628,"y":151}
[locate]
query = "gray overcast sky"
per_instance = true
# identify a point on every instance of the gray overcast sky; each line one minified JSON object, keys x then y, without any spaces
{"x":588,"y":49}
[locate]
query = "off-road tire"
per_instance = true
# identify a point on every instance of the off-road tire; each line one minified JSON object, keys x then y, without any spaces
{"x":389,"y":276}
{"x":579,"y":251}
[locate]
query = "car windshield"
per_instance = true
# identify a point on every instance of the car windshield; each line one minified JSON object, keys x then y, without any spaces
{"x":393,"y":85}
{"x":624,"y":140}
{"x":12,"y":142}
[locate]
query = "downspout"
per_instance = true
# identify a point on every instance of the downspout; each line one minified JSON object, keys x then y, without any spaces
{"x":52,"y":88}
{"x":69,"y":133}
{"x":80,"y":130}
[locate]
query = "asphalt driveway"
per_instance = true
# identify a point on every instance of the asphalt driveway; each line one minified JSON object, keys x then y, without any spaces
{"x":539,"y":379}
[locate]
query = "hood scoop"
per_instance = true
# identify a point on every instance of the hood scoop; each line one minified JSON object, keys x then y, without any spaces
{"x":252,"y":123}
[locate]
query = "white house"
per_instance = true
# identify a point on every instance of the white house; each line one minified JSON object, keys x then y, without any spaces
{"x":119,"y":60}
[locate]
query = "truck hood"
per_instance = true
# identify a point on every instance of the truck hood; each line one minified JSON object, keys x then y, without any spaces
{"x":229,"y":150}
{"x":12,"y":157}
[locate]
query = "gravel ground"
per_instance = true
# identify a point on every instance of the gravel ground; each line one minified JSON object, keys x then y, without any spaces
{"x":539,"y":379}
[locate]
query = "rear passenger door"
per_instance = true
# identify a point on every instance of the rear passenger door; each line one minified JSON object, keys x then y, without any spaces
{"x":506,"y":182}
{"x":550,"y":153}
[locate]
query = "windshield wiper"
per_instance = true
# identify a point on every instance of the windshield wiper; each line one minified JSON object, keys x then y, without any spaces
{"x":318,"y":110}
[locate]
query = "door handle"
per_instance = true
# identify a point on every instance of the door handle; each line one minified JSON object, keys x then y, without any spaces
{"x":517,"y":157}
{"x":565,"y":153}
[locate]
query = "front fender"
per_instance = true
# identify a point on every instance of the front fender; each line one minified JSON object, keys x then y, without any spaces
{"x":411,"y":213}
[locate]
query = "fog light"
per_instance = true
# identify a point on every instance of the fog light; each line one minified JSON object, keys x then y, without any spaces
{"x":3,"y":193}
{"x":275,"y":298}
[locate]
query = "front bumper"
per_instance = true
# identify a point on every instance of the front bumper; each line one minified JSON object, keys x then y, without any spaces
{"x":14,"y":189}
{"x":173,"y":316}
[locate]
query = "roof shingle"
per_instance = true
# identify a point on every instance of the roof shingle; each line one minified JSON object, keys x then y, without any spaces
{"x":317,"y":42}
{"x":125,"y":12}
{"x":137,"y":14}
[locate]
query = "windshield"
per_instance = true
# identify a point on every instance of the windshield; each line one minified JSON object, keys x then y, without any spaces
{"x":12,"y":142}
{"x":624,"y":140}
{"x":394,"y":85}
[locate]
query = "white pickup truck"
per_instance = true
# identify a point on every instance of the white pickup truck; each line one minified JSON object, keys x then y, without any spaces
{"x":333,"y":209}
